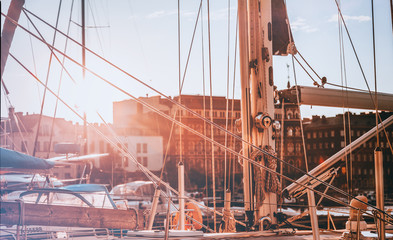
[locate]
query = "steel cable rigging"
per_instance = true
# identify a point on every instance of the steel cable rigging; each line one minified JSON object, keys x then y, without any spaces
{"x":338,"y":190}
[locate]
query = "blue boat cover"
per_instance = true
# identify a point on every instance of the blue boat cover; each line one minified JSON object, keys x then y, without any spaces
{"x":10,"y":159}
{"x":86,"y":188}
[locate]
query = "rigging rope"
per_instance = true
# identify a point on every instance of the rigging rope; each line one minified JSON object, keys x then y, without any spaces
{"x":61,"y":78}
{"x":187,"y":109}
{"x":34,"y":62}
{"x":198,"y":134}
{"x":300,"y":115}
{"x":46,"y":81}
{"x":96,"y":28}
{"x":211,"y":118}
{"x":353,"y":47}
{"x":204,"y":116}
{"x":375,"y":72}
{"x":179,"y":68}
{"x":342,"y":75}
{"x":191,"y":44}
{"x":227,"y":105}
{"x":233,"y":106}
{"x":315,"y":82}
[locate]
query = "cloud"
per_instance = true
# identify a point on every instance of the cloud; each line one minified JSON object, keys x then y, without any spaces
{"x":360,"y":18}
{"x":162,"y":13}
{"x":300,"y":25}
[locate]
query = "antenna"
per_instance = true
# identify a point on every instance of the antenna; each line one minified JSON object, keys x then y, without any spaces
{"x":289,"y":83}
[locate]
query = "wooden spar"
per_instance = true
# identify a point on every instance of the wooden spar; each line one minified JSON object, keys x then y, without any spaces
{"x":66,"y":216}
{"x":245,"y":112}
{"x":9,"y":30}
{"x":256,"y":50}
{"x":265,"y":99}
{"x":329,"y":97}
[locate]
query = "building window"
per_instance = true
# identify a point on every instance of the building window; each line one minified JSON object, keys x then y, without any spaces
{"x":125,"y":162}
{"x":332,"y":133}
{"x":44,"y":130}
{"x":92,"y":147}
{"x":320,"y":134}
{"x":308,"y":135}
{"x":290,"y":147}
{"x":326,"y":145}
{"x":314,"y":134}
{"x":298,"y":147}
{"x":145,"y":161}
{"x":290,"y":132}
{"x":320,"y":145}
{"x":308,"y":146}
{"x":23,"y":146}
{"x":342,"y":144}
{"x":314,"y":146}
{"x":46,"y":146}
{"x":332,"y":145}
{"x":145,"y":148}
{"x":139,"y":159}
{"x":138,"y":148}
{"x":102,"y":150}
{"x":325,"y":134}
{"x":297,"y":131}
{"x":37,"y":146}
{"x":289,"y":115}
{"x":342,"y":133}
{"x":67,"y":175}
{"x":296,"y":113}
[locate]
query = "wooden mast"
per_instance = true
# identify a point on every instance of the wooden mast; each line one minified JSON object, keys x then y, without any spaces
{"x":263,"y":95}
{"x":255,"y":40}
{"x":245,"y":112}
{"x":8,"y":31}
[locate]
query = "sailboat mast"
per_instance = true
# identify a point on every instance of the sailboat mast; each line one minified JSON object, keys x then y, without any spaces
{"x":258,"y":108}
{"x":245,"y":112}
{"x":8,"y":31}
{"x":83,"y":38}
{"x":83,"y":26}
{"x":262,"y":99}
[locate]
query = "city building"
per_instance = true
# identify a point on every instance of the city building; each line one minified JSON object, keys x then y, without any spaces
{"x":19,"y":133}
{"x":132,"y":118}
{"x":325,"y":136}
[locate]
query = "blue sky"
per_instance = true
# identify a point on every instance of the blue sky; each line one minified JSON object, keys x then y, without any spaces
{"x":141,"y":37}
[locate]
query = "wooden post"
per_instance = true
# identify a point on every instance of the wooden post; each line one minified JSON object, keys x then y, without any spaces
{"x":379,"y":190}
{"x":67,"y":216}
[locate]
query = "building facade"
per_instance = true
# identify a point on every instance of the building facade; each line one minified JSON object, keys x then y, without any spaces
{"x":131,"y":117}
{"x":19,"y":134}
{"x":325,"y":136}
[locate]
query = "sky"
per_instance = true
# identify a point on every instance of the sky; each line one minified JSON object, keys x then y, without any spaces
{"x":141,"y":37}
